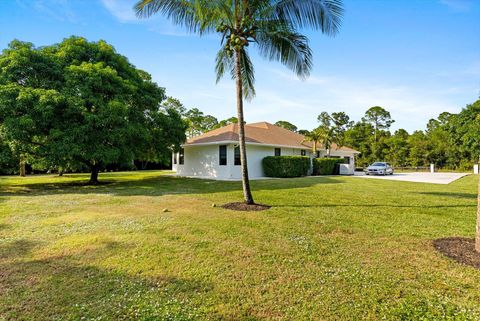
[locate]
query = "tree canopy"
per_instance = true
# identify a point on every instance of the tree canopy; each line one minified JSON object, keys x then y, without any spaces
{"x":80,"y":104}
{"x":287,"y":125}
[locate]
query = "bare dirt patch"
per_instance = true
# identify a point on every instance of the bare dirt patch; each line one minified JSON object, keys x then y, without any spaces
{"x":240,"y":206}
{"x":460,"y":249}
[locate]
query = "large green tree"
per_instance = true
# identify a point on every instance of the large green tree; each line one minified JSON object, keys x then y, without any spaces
{"x":228,"y":121}
{"x":379,"y":118}
{"x":9,"y":162}
{"x":468,"y":134}
{"x":80,"y":104}
{"x":443,"y":151}
{"x":398,"y":148}
{"x":419,"y":149}
{"x":334,"y":127}
{"x":175,"y":104}
{"x":360,"y":137}
{"x":273,"y":26}
{"x":287,"y":125}
{"x":199,"y":123}
{"x":341,"y":123}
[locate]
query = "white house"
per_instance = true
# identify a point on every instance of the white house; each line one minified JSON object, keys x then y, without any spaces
{"x":216,"y":154}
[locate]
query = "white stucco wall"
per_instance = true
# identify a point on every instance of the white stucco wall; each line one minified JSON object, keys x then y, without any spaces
{"x":340,"y":153}
{"x":204,"y":160}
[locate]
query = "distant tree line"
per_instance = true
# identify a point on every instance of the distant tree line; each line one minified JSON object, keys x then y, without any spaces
{"x":451,"y":141}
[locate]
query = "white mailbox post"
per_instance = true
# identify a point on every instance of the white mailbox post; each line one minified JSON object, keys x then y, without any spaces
{"x":475,"y":169}
{"x":432,"y":168}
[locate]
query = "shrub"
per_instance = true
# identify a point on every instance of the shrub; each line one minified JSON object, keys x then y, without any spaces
{"x":326,"y":166}
{"x":286,"y":166}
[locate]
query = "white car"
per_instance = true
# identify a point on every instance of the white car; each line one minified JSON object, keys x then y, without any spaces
{"x":379,"y":168}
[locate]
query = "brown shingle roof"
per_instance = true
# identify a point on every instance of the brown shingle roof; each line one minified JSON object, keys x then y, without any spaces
{"x":260,"y":133}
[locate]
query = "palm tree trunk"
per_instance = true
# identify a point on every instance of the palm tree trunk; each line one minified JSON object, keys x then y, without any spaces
{"x":247,"y":194}
{"x":477,"y":240}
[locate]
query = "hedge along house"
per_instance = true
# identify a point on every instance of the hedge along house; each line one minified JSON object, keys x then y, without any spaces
{"x":216,"y":154}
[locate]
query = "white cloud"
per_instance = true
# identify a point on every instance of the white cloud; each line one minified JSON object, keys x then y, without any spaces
{"x":53,"y":9}
{"x":458,"y":5}
{"x":301,"y":101}
{"x":121,"y":9}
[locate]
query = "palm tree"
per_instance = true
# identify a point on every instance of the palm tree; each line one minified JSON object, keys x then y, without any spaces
{"x":326,"y":137}
{"x":271,"y":25}
{"x":315,"y":136}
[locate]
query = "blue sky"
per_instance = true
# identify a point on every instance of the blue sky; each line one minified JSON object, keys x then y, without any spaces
{"x":415,"y":58}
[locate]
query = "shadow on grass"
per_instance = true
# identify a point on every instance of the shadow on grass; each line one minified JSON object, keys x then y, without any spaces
{"x":371,"y":205}
{"x":452,"y":195}
{"x":156,"y":186}
{"x":63,"y":287}
{"x":18,"y":248}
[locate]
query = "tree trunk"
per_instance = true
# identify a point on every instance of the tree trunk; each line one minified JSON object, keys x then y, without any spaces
{"x":247,"y":194}
{"x":477,"y":240}
{"x":22,"y":168}
{"x":94,"y":174}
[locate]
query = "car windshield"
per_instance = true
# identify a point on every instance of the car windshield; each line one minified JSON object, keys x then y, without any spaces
{"x":378,"y":164}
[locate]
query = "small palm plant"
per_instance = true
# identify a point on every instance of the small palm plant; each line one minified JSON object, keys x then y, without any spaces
{"x":316,"y":137}
{"x":272,"y":26}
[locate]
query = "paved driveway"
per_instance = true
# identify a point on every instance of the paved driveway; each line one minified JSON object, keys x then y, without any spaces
{"x":433,"y":178}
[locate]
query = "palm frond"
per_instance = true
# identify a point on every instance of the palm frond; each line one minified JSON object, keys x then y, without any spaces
{"x":324,"y":15}
{"x":223,"y":62}
{"x":281,"y":43}
{"x":248,"y":75}
{"x":195,"y":15}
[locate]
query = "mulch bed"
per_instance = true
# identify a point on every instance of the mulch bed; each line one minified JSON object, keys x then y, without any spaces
{"x":240,"y":206}
{"x":460,"y":249}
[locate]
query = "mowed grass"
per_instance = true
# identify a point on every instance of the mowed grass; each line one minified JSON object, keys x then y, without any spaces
{"x":330,"y":248}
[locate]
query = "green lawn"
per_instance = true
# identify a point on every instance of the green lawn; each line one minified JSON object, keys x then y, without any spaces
{"x":331,"y":248}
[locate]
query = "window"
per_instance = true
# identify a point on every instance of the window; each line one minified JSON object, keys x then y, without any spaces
{"x":237,"y":156}
{"x":303,"y":152}
{"x":278,"y":152}
{"x":347,"y":160}
{"x":223,"y":154}
{"x":174,"y":158}
{"x":318,"y":154}
{"x":181,"y":156}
